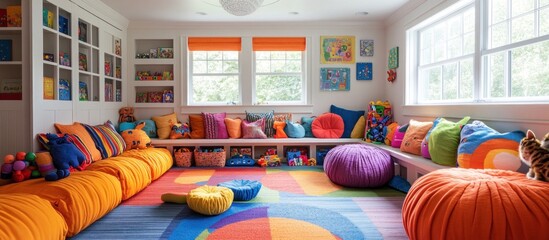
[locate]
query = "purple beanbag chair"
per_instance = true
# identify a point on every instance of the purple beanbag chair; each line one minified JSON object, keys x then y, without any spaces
{"x":358,"y":165}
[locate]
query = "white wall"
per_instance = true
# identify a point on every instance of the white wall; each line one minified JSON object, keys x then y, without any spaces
{"x":357,"y":98}
{"x":502,"y":117}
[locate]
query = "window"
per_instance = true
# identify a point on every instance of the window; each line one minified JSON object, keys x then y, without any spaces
{"x":279,"y":76}
{"x":214,"y":71}
{"x":508,"y":65}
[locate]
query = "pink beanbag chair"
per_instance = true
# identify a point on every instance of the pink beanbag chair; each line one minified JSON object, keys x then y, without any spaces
{"x":328,"y":125}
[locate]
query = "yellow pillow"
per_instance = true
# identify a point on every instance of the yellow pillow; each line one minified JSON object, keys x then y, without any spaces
{"x":79,"y":130}
{"x":233,"y":127}
{"x":360,"y":126}
{"x":164,"y":125}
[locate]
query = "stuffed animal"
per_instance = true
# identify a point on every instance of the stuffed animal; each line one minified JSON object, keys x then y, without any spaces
{"x":64,"y":155}
{"x":126,"y":115}
{"x":136,"y":138}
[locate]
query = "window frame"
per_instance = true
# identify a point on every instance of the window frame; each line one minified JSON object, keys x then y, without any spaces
{"x":304,"y":85}
{"x":480,"y":72}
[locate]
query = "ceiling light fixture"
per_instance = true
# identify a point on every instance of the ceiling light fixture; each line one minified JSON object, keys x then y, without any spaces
{"x":240,"y":7}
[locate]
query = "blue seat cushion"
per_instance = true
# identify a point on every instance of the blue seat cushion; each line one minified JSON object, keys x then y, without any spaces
{"x":244,"y":190}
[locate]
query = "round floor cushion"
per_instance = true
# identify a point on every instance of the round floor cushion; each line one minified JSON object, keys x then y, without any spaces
{"x":244,"y":190}
{"x":358,"y":165}
{"x":328,"y":125}
{"x":476,"y":204}
{"x":210,"y":200}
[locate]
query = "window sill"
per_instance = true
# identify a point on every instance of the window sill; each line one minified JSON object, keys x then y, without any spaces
{"x":241,"y":109}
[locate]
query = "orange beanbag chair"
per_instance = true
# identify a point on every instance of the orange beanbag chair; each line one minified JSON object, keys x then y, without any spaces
{"x":328,"y":125}
{"x":476,"y":204}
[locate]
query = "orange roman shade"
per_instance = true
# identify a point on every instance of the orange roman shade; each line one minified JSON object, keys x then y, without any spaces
{"x":214,"y":44}
{"x":279,"y":43}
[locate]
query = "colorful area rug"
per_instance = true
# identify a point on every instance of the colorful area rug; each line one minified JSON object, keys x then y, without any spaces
{"x":294,"y":203}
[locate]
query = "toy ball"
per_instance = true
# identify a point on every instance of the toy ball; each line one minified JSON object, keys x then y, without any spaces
{"x":9,"y":158}
{"x":30,"y":156}
{"x":20,"y":155}
{"x":19,"y":165}
{"x":35,"y":174}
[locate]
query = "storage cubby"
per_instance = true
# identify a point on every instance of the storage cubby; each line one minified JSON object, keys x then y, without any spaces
{"x":240,"y":150}
{"x":321,"y":152}
{"x":154,"y":94}
{"x":148,"y":72}
{"x":153,"y":48}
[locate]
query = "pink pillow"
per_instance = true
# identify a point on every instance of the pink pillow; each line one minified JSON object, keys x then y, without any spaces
{"x":214,"y":126}
{"x":253,"y":129}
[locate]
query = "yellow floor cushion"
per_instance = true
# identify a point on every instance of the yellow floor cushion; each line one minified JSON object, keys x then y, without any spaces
{"x":134,"y":175}
{"x":160,"y":160}
{"x":81,"y":198}
{"x":27,"y":216}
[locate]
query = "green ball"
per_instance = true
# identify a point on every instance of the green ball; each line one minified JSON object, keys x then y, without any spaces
{"x":35,"y":174}
{"x":30,"y":157}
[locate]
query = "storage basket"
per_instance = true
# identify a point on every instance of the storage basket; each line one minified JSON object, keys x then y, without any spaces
{"x":209,"y":159}
{"x":182,"y":158}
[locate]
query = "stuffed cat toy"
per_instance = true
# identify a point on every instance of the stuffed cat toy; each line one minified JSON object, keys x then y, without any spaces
{"x":65,"y":155}
{"x":534,"y":155}
{"x":136,"y":138}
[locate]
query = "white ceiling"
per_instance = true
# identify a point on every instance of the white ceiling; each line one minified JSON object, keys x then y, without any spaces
{"x":270,"y":11}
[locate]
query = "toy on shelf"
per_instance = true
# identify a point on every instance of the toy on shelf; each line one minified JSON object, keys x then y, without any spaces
{"x":297,"y":157}
{"x":380,"y":115}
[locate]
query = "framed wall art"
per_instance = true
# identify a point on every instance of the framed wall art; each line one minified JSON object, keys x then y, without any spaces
{"x":335,"y":79}
{"x":337,"y":49}
{"x":364,"y":71}
{"x":366,"y":48}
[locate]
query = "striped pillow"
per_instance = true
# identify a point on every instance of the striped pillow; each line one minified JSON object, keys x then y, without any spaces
{"x":107,"y":140}
{"x":74,"y":139}
{"x":269,"y":121}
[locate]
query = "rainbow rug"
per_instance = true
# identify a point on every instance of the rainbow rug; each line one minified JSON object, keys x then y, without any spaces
{"x":294,"y":203}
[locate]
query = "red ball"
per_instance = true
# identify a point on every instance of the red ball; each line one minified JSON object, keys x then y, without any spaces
{"x":9,"y":158}
{"x":20,"y":155}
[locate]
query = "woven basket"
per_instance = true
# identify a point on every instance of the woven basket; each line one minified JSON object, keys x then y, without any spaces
{"x":183,"y":159}
{"x":210,"y":159}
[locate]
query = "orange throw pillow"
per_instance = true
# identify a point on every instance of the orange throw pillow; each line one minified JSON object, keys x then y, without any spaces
{"x":79,"y":130}
{"x":197,"y":126}
{"x":414,"y":136}
{"x":233,"y":127}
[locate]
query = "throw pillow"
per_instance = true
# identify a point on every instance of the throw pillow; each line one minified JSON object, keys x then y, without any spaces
{"x":399,"y":135}
{"x":425,"y":142}
{"x":180,"y":130}
{"x":328,"y":125}
{"x":350,"y":117}
{"x":483,"y":147}
{"x":125,"y":126}
{"x":197,"y":126}
{"x":358,"y":130}
{"x":411,"y":143}
{"x":79,"y":130}
{"x":283,"y":117}
{"x":149,"y":128}
{"x":74,"y":139}
{"x":294,"y":130}
{"x":164,"y":124}
{"x":136,"y":138}
{"x":279,"y":127}
{"x":107,"y":140}
{"x":253,"y":129}
{"x":269,"y":121}
{"x":234,"y":127}
{"x":391,"y":129}
{"x":444,"y":140}
{"x":306,"y":122}
{"x":214,"y":125}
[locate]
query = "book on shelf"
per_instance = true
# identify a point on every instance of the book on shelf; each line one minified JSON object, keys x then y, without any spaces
{"x":108,"y":68}
{"x":83,"y":91}
{"x":3,"y":17}
{"x":82,"y":62}
{"x":64,"y":25}
{"x":48,"y":88}
{"x":11,"y":86}
{"x":82,"y":31}
{"x":118,"y":46}
{"x":5,"y":49}
{"x":14,"y":16}
{"x":109,"y":92}
{"x":64,"y":89}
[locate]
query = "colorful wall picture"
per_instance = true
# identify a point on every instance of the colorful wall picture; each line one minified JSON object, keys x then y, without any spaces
{"x":337,"y":49}
{"x":366,"y":48}
{"x":364,"y":71}
{"x":335,"y":79}
{"x":393,"y":58}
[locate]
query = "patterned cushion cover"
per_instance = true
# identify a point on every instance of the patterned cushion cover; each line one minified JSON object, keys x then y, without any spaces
{"x":106,"y":139}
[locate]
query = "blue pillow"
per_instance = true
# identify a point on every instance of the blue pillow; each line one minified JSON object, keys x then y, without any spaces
{"x":350,"y":118}
{"x":306,"y":122}
{"x":125,"y":126}
{"x":294,"y":130}
{"x":150,"y":127}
